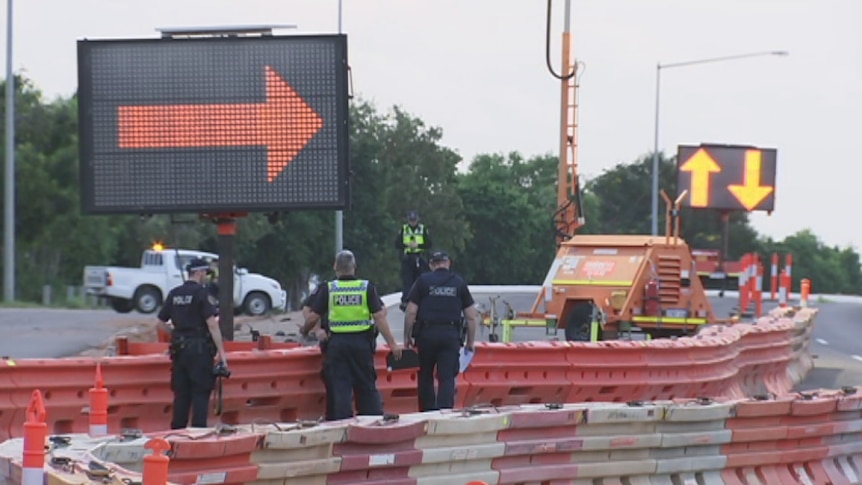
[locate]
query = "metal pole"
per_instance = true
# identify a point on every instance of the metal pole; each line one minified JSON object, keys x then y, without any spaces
{"x":655,"y":165}
{"x":9,"y":190}
{"x":339,"y":215}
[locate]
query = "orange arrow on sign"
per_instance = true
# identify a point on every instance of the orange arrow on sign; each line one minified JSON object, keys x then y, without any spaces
{"x":751,"y":193}
{"x":284,"y":123}
{"x":701,"y":164}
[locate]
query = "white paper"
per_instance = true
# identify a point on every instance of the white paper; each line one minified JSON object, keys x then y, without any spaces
{"x":465,"y":358}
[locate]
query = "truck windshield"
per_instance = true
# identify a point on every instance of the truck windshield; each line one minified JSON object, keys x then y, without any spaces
{"x":183,"y":260}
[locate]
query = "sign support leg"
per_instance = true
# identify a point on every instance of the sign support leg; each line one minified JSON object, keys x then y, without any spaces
{"x":723,"y":253}
{"x":226,"y":261}
{"x":226,"y":257}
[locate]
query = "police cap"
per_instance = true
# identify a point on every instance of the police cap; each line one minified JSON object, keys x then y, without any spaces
{"x":413,"y":215}
{"x":438,"y":257}
{"x":198,"y":264}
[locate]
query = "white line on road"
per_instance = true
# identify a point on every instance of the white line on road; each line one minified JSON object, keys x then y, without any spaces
{"x":821,"y":341}
{"x":856,"y":357}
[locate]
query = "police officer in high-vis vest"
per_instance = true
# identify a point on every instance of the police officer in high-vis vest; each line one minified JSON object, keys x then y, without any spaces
{"x":355,"y":313}
{"x":413,"y":240}
{"x":433,"y":323}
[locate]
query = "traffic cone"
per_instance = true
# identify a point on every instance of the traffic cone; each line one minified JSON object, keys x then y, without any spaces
{"x":99,"y":406}
{"x":35,"y":434}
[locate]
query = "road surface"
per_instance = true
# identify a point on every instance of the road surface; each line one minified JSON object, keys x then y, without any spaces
{"x":48,"y":333}
{"x":837,"y":341}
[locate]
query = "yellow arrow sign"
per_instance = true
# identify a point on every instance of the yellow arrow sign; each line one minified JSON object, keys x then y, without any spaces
{"x":751,"y":193}
{"x":701,"y":165}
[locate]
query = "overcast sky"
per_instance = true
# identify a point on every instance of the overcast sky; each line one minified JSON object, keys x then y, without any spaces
{"x":477,"y":69}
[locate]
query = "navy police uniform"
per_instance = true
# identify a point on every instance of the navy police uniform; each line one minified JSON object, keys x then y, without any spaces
{"x":348,"y":304}
{"x":324,"y":324}
{"x":441,"y":296}
{"x":192,"y":351}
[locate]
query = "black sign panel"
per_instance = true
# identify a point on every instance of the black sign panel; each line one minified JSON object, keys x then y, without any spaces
{"x":243,"y":124}
{"x":727,"y":177}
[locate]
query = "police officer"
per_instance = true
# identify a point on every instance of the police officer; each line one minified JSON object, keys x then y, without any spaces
{"x":195,"y":343}
{"x":413,"y":240}
{"x":435,"y":305}
{"x":322,"y":335}
{"x":354,"y":309}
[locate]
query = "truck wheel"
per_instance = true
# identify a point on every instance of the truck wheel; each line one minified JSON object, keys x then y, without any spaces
{"x":578,"y":323}
{"x":256,"y":304}
{"x":121,"y":305}
{"x":147,"y":299}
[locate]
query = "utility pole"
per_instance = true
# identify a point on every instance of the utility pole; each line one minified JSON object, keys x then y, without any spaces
{"x":9,"y":186}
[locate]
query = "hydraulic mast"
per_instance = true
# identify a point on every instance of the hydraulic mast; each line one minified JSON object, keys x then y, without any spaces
{"x":569,"y":215}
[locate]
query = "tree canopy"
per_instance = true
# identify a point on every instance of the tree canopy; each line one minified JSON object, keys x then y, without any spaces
{"x":495,"y":218}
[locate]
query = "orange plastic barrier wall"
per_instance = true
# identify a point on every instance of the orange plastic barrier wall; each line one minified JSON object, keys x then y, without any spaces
{"x":283,"y":385}
{"x":792,"y":440}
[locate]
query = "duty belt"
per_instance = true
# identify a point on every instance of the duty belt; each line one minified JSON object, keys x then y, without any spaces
{"x":434,"y":322}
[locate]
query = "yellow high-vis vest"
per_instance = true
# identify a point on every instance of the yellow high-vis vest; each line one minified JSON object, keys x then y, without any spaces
{"x":409,"y":235}
{"x":348,"y":306}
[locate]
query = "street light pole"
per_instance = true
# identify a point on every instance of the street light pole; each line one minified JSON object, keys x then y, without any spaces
{"x":655,"y":155}
{"x":9,"y":186}
{"x":339,"y":215}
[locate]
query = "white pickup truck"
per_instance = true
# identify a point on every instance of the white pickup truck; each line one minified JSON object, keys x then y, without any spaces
{"x":144,"y":288}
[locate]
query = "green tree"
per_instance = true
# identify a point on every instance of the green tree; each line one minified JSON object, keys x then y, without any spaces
{"x":399,"y":164}
{"x":509,"y":203}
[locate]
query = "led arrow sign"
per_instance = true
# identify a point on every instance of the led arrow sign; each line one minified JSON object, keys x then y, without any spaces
{"x":727,"y":177}
{"x":208,"y":125}
{"x":284,"y":123}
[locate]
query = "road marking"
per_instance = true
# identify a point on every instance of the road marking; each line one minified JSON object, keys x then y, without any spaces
{"x":821,"y":341}
{"x":856,"y":357}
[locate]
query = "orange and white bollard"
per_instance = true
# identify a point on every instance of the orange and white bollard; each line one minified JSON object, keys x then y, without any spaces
{"x":758,"y":291}
{"x":773,"y":273}
{"x":99,"y":406}
{"x":782,"y":289}
{"x":804,"y":291}
{"x":156,"y":465}
{"x":35,"y":434}
{"x":752,"y":277}
{"x":743,"y":283}
{"x":788,"y":267}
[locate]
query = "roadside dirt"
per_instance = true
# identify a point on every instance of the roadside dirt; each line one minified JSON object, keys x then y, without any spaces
{"x":281,"y":327}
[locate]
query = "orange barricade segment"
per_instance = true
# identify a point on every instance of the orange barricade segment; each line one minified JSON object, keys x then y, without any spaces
{"x":208,"y":457}
{"x":378,"y":450}
{"x":535,"y":372}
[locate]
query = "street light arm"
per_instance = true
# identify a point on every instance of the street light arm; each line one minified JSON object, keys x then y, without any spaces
{"x":655,"y":155}
{"x":721,"y":59}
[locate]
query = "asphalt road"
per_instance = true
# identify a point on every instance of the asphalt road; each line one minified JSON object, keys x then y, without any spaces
{"x":48,"y":333}
{"x":837,"y":333}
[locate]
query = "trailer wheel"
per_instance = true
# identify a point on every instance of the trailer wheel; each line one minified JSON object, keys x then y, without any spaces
{"x":578,"y":322}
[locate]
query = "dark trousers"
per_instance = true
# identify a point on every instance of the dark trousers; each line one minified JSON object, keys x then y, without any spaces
{"x":349,"y":363}
{"x":192,"y":382}
{"x":412,"y":265}
{"x":327,"y":388}
{"x":439,"y":347}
